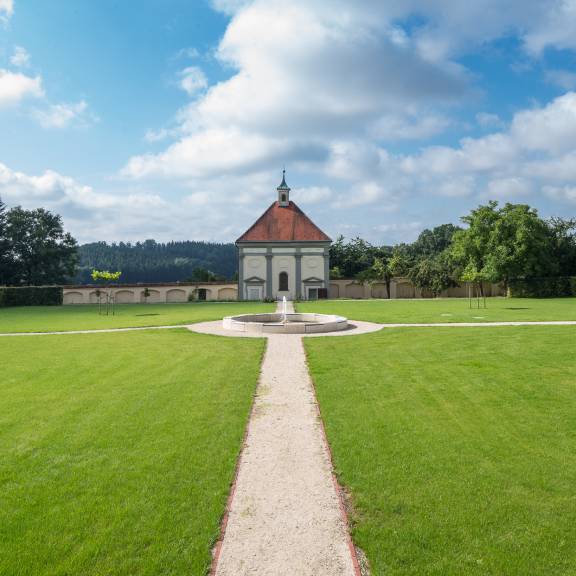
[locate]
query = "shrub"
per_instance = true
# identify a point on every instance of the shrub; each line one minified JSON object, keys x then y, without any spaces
{"x":31,"y":296}
{"x":553,"y":287}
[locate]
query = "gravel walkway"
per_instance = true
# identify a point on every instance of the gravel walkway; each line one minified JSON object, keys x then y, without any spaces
{"x":355,"y":327}
{"x":285,"y":516}
{"x":215,"y":328}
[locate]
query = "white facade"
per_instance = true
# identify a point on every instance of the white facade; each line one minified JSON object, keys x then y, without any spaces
{"x":305,"y":267}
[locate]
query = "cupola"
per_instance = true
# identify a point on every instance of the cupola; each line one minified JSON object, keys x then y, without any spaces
{"x":283,"y":192}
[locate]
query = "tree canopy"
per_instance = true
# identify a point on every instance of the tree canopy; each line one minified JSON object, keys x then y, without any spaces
{"x":34,"y":248}
{"x":496,"y":244}
{"x":151,"y":261}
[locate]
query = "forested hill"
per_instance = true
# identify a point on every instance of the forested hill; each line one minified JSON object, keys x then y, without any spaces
{"x":151,"y":261}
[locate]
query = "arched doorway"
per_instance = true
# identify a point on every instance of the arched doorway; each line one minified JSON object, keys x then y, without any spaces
{"x":283,"y":282}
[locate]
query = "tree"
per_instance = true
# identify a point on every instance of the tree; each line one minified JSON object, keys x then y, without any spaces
{"x":108,"y":277}
{"x":204,"y":275}
{"x":5,"y":270}
{"x":519,"y":245}
{"x":433,"y":242}
{"x":503,"y":243}
{"x":150,"y":261}
{"x":562,"y":240}
{"x":352,"y":257}
{"x":433,"y":273}
{"x":471,"y":247}
{"x":40,"y":252}
{"x":380,"y":271}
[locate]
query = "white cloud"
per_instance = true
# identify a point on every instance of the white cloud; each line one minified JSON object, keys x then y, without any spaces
{"x":310,"y":76}
{"x":329,"y":84}
{"x":20,"y":57}
{"x":15,"y":86}
{"x":508,"y":188}
{"x":334,"y":89}
{"x":50,"y":188}
{"x":551,"y":128}
{"x":157,"y":135}
{"x":203,"y":213}
{"x":192,"y":80}
{"x":364,"y":194}
{"x":6,"y":9}
{"x":399,"y":231}
{"x":311,"y":194}
{"x":566,"y":193}
{"x":459,"y":186}
{"x":487,"y":120}
{"x":396,"y":127}
{"x":555,"y":27}
{"x":64,"y":115}
{"x":564,"y":79}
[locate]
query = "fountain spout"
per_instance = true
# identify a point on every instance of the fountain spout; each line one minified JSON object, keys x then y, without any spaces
{"x":284,"y":309}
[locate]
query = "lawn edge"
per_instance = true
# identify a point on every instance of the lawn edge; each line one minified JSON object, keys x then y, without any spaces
{"x":217,"y":547}
{"x":340,"y":490}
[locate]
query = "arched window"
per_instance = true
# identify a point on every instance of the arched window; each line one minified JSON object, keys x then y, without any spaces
{"x":283,"y":282}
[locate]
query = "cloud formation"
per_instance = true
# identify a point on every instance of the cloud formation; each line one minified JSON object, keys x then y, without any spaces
{"x":6,"y":9}
{"x":20,"y":57}
{"x":192,"y":80}
{"x":15,"y":87}
{"x":360,"y":100}
{"x":64,"y":115}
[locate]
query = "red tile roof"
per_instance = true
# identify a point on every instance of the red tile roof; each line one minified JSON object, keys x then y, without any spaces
{"x":283,"y":224}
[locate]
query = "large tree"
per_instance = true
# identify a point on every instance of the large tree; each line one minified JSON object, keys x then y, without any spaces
{"x":40,"y":251}
{"x":562,"y":238}
{"x":350,"y":258}
{"x":503,"y":243}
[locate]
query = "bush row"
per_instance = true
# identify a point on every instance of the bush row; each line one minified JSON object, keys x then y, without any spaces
{"x":555,"y":287}
{"x":30,"y":296}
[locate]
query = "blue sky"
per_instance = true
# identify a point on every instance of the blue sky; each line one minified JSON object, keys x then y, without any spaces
{"x":173,"y":119}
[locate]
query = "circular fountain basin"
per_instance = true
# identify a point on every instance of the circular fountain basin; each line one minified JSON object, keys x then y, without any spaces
{"x":275,"y":323}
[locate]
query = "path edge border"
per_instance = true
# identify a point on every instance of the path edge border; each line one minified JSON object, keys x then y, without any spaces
{"x":217,"y":548}
{"x":335,"y":483}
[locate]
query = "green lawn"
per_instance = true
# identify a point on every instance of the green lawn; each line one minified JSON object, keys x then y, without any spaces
{"x":458,"y":447}
{"x":86,"y":317}
{"x":446,"y":310}
{"x":117,"y":450}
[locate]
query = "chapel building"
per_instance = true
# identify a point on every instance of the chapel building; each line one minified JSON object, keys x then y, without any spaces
{"x":283,"y":254}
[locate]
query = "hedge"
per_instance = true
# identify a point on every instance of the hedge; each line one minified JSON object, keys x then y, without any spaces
{"x":31,"y":296}
{"x":554,"y":287}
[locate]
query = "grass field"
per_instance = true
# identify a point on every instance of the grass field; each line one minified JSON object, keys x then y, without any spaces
{"x":117,"y":450}
{"x":446,"y":310}
{"x":459,"y":448}
{"x":86,"y":317}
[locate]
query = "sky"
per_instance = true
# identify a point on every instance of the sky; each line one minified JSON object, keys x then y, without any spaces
{"x":173,"y":119}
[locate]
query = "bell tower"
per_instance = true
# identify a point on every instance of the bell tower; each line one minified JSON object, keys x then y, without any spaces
{"x":283,"y":192}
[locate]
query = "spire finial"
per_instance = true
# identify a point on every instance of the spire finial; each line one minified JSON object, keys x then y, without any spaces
{"x":283,"y":191}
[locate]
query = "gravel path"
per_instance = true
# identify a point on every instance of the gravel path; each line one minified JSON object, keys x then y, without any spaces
{"x":355,"y":327}
{"x":215,"y":328}
{"x":96,"y":331}
{"x":285,"y":516}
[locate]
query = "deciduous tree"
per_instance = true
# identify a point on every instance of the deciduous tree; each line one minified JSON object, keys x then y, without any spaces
{"x":40,"y":252}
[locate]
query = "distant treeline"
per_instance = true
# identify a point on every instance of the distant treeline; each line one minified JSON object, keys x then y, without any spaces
{"x":152,"y":261}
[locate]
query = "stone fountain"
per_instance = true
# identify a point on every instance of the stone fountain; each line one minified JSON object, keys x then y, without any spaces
{"x":284,"y":322}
